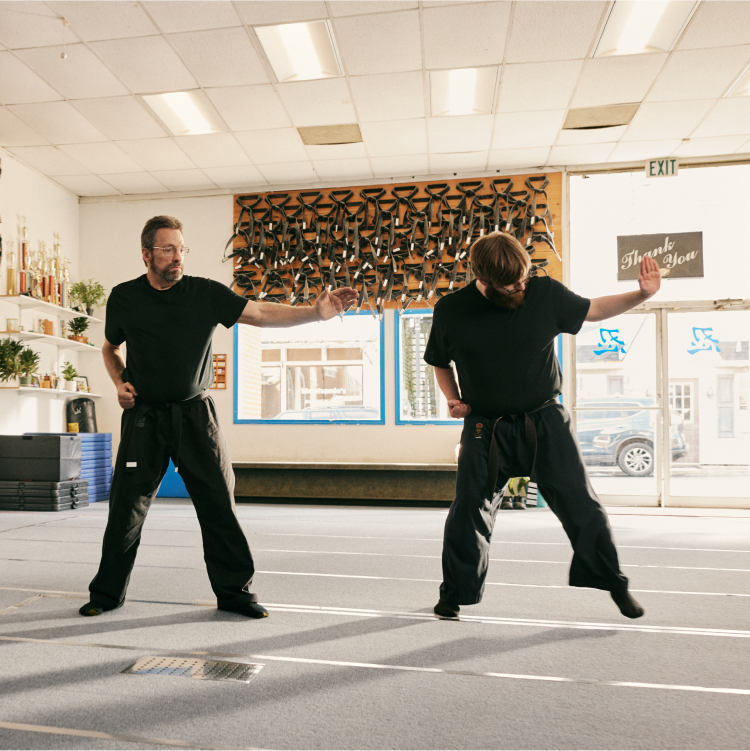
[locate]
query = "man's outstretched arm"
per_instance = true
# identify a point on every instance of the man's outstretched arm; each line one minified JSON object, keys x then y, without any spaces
{"x":328,"y":305}
{"x":447,"y":382}
{"x":649,"y":282}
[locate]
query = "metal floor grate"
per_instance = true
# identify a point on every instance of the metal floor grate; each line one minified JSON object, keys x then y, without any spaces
{"x":201,"y":670}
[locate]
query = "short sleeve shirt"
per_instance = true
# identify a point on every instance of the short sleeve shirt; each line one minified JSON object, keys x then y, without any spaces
{"x":168,"y":333}
{"x":505,"y":359}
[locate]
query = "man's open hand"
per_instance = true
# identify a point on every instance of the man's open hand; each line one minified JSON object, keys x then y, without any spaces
{"x":650,"y":279}
{"x":458,"y":409}
{"x":126,"y":395}
{"x":330,"y":304}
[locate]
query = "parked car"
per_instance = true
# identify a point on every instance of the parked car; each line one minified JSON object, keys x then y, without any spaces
{"x":618,"y":431}
{"x":330,"y":413}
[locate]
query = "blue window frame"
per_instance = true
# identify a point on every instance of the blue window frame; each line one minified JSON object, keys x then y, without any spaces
{"x":321,"y":373}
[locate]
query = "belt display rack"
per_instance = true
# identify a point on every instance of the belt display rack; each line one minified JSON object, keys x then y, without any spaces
{"x":399,"y":245}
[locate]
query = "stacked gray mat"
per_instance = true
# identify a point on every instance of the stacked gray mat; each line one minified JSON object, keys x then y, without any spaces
{"x":43,"y":496}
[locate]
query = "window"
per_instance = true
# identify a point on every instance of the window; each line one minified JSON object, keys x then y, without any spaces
{"x":725,"y":405}
{"x":681,"y":400}
{"x":317,"y":372}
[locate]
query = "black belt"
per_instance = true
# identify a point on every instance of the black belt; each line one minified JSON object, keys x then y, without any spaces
{"x":493,"y":463}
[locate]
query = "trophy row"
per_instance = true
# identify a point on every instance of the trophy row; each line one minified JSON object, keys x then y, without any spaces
{"x":43,"y":274}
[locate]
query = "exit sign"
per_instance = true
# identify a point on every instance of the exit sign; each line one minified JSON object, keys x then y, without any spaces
{"x":662,"y":167}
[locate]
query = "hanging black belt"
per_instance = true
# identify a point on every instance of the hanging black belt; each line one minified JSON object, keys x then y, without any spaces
{"x":493,"y":463}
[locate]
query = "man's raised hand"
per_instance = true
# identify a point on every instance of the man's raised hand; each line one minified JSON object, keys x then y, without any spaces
{"x":331,"y":304}
{"x":650,"y":279}
{"x":458,"y":409}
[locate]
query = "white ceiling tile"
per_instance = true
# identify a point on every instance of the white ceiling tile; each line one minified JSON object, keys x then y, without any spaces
{"x":522,"y":130}
{"x":343,"y":169}
{"x":14,"y":132}
{"x":146,"y":64}
{"x":30,"y":24}
{"x":381,"y":43}
{"x":662,"y":120}
{"x":80,"y":76}
{"x":235,"y":177}
{"x":466,"y":162}
{"x":106,"y":19}
{"x":514,"y":158}
{"x":86,"y":185}
{"x":273,"y":146}
{"x":717,"y":24}
{"x":699,"y":74}
{"x":395,"y":138}
{"x":174,"y":16}
{"x":636,"y":151}
{"x":280,"y":11}
{"x":136,"y":182}
{"x":184,"y":179}
{"x":49,"y":160}
{"x":20,"y":85}
{"x":323,"y":102}
{"x":156,"y":154}
{"x":101,"y":158}
{"x":729,"y":117}
{"x":213,"y":150}
{"x":464,"y":36}
{"x":590,"y":135}
{"x":337,"y":151}
{"x":717,"y":146}
{"x":744,"y":149}
{"x":448,"y":135}
{"x":553,"y":30}
{"x":573,"y":155}
{"x":291,"y":172}
{"x":399,"y":166}
{"x":221,"y":57}
{"x":249,"y":107}
{"x":58,"y":122}
{"x":120,"y":118}
{"x":528,"y":87}
{"x":621,"y":79}
{"x":389,"y":96}
{"x":358,"y":8}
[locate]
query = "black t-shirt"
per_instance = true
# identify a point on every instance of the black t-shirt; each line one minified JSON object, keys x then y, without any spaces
{"x":168,"y":333}
{"x":505,"y":359}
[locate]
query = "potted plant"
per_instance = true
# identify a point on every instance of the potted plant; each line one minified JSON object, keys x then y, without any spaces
{"x":10,"y":352}
{"x":78,"y":326}
{"x":29,"y":362}
{"x":90,"y":293}
{"x":69,"y":373}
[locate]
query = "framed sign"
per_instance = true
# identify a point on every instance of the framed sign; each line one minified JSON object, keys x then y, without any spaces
{"x":678,"y":255}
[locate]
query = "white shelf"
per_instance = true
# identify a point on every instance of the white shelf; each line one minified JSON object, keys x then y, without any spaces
{"x":59,"y":341}
{"x":30,"y":390}
{"x":31,"y":303}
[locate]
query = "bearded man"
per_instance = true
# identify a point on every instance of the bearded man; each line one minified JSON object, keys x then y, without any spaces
{"x":499,"y":331}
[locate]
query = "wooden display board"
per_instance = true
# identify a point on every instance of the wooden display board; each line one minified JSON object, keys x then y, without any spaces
{"x":400,"y":245}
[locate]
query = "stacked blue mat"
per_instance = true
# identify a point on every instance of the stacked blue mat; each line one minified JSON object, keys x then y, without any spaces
{"x":96,"y":463}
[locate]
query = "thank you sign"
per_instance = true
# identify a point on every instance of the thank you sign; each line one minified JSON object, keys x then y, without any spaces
{"x":678,"y":255}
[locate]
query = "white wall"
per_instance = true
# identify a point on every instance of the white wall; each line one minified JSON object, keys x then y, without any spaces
{"x":110,"y":252}
{"x":48,"y":208}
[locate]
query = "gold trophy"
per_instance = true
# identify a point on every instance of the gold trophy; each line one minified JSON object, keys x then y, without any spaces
{"x":11,"y":271}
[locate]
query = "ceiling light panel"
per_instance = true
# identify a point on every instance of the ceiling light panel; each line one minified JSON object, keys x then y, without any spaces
{"x":300,"y":51}
{"x":184,"y":113}
{"x":635,"y":26}
{"x":463,"y":91}
{"x":249,"y":107}
{"x":174,"y":16}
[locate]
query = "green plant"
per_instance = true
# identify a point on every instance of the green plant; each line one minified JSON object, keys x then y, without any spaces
{"x":69,"y":372}
{"x":10,"y":354}
{"x":78,"y":326}
{"x":88,"y":292}
{"x":29,"y":361}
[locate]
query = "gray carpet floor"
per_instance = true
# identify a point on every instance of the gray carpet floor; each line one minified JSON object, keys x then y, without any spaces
{"x":352,"y":656}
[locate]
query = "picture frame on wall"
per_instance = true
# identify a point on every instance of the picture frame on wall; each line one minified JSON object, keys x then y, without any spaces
{"x":83,"y":383}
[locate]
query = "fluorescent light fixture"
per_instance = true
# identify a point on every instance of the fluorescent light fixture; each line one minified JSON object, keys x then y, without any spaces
{"x":742,"y":85}
{"x":300,"y":51}
{"x":184,"y":113}
{"x":463,"y":91}
{"x":638,"y":26}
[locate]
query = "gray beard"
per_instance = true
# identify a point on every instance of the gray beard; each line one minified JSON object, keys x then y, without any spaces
{"x":507,"y":302}
{"x":166,"y":276}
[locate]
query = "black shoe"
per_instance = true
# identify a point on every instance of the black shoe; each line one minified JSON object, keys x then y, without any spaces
{"x":249,"y":608}
{"x":627,"y":604}
{"x":446,"y":609}
{"x":95,"y":608}
{"x":518,"y":503}
{"x":506,"y":503}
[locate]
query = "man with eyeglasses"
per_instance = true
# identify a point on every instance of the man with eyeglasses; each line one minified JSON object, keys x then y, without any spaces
{"x":167,"y":320}
{"x":499,"y":332}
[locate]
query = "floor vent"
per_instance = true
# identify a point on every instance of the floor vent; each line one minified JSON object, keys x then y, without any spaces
{"x":201,"y":670}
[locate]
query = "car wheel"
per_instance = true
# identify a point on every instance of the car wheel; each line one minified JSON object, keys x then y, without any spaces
{"x":636,"y":460}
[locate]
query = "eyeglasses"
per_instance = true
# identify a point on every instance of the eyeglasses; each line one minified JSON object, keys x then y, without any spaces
{"x":517,"y":287}
{"x":170,"y":250}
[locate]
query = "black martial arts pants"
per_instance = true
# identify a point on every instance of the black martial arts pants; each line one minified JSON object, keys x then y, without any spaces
{"x":188,"y":432}
{"x":562,"y":480}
